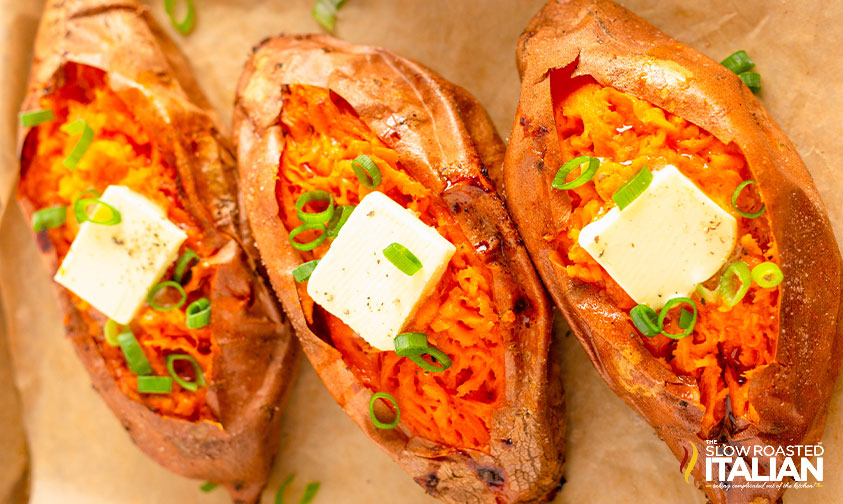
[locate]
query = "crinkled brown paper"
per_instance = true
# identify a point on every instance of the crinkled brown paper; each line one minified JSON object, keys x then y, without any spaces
{"x":79,"y":453}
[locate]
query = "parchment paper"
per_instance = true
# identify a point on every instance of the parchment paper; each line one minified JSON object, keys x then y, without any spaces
{"x":78,"y":451}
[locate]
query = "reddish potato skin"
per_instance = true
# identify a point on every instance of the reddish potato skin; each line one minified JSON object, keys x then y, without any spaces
{"x":618,"y":49}
{"x":448,"y":129}
{"x":249,"y":389}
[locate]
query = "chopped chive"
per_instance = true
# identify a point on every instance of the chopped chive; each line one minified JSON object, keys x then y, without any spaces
{"x":738,"y":62}
{"x":86,"y":136}
{"x":304,"y":247}
{"x":315,"y":218}
{"x":689,"y":328}
{"x":645,"y":320}
{"x":135,"y":358}
{"x":207,"y":486}
{"x":737,"y":193}
{"x":731,"y":293}
{"x":187,"y":257}
{"x":150,"y":297}
{"x":633,"y":188}
{"x":186,"y":25}
{"x":440,"y":357}
{"x":411,"y":344}
{"x":752,"y":81}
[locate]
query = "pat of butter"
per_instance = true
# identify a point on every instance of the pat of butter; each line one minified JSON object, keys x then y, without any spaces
{"x":668,"y":240}
{"x":357,"y":284}
{"x":113,"y":267}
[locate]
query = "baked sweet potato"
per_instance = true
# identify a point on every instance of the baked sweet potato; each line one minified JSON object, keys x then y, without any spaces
{"x":599,"y":81}
{"x":153,"y":131}
{"x":489,"y":428}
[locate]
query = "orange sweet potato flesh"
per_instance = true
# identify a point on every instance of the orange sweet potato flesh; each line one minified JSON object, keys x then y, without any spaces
{"x":597,"y":80}
{"x":108,"y":63}
{"x":490,"y":428}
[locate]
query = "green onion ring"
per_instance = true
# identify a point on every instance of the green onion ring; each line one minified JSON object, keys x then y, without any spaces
{"x":752,"y":81}
{"x":585,"y":175}
{"x":111,"y":330}
{"x":36,"y":117}
{"x":319,"y":217}
{"x":207,"y":486}
{"x":133,"y":353}
{"x":731,"y":295}
{"x":48,"y":218}
{"x":150,"y":298}
{"x":738,"y":62}
{"x":310,"y":492}
{"x":633,"y":188}
{"x":279,"y":494}
{"x":375,"y":421}
{"x":767,"y":275}
{"x":80,"y":209}
{"x":735,"y":196}
{"x":302,"y":272}
{"x":339,"y":220}
{"x":186,"y":25}
{"x":440,"y":356}
{"x":198,"y":314}
{"x":411,"y":344}
{"x":367,"y":171}
{"x":325,"y":13}
{"x":182,"y":264}
{"x":666,"y":308}
{"x":187,"y":385}
{"x":86,"y":136}
{"x":401,"y":257}
{"x":645,"y":319}
{"x":706,"y":295}
{"x":304,"y":247}
{"x":155,"y":384}
{"x":685,"y":318}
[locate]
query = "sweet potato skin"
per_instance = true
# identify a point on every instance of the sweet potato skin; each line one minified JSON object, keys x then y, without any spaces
{"x":445,"y":128}
{"x":620,"y":50}
{"x":248,"y":390}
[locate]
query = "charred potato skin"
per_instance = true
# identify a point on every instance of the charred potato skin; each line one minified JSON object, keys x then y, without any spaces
{"x":621,"y":50}
{"x":527,"y":447}
{"x":249,"y":389}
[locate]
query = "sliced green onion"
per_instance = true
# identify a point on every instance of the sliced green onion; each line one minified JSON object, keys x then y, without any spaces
{"x":48,"y":218}
{"x":36,"y":117}
{"x":707,"y":295}
{"x":633,"y":188}
{"x":689,"y":328}
{"x":339,"y":219}
{"x":207,"y":486}
{"x":132,"y":351}
{"x":752,"y":81}
{"x":186,"y":25}
{"x":685,"y":318}
{"x":735,"y":196}
{"x":325,"y":13}
{"x":187,"y":385}
{"x":86,"y":136}
{"x":645,"y":320}
{"x":302,"y":272}
{"x":198,"y":314}
{"x":184,"y":261}
{"x":309,"y":492}
{"x":319,"y":217}
{"x":150,"y":298}
{"x":731,"y":294}
{"x":375,"y":421}
{"x":410,"y":344}
{"x":440,"y":356}
{"x":279,"y":494}
{"x":80,"y":209}
{"x":155,"y":384}
{"x":401,"y":257}
{"x":767,"y":275}
{"x":586,"y":174}
{"x":367,"y":171}
{"x":311,"y":244}
{"x":738,"y":62}
{"x":90,"y":190}
{"x":111,"y":330}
